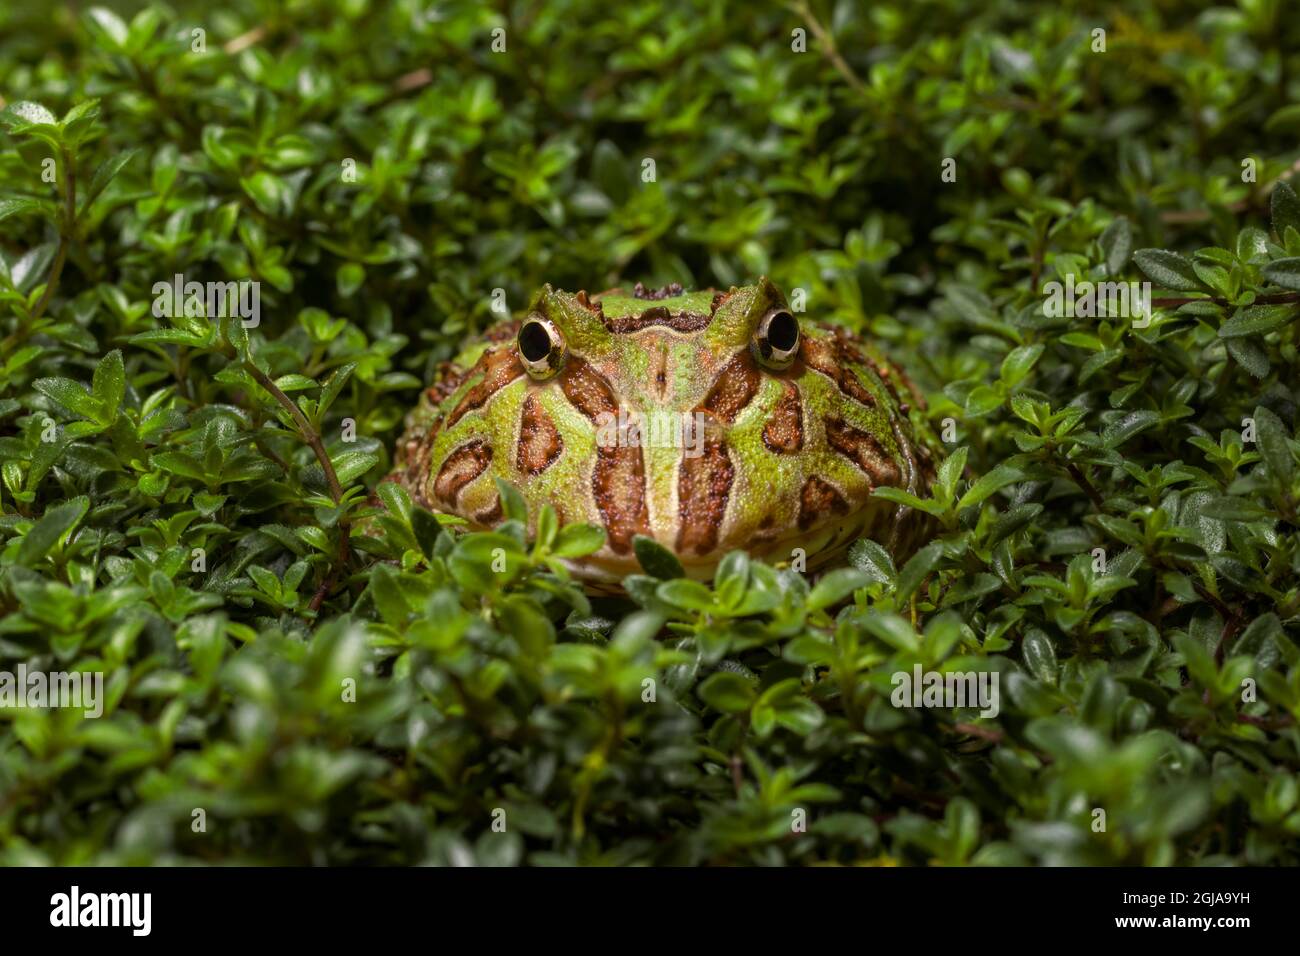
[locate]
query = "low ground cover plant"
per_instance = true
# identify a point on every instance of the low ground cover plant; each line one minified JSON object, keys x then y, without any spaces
{"x":1076,"y":227}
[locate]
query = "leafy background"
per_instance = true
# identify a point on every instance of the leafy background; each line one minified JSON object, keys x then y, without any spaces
{"x":478,"y":691}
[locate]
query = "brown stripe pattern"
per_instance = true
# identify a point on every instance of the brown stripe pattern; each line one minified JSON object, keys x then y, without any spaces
{"x":703,"y":486}
{"x":783,"y":432}
{"x":818,"y":499}
{"x":733,"y":389}
{"x":832,"y":361}
{"x":491,"y":516}
{"x":539,"y":443}
{"x":499,"y":367}
{"x":864,"y":450}
{"x":618,"y":480}
{"x":461,"y":467}
{"x":658,"y":315}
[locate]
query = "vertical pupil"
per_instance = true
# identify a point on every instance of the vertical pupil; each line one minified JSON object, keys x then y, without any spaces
{"x":534,"y":342}
{"x":783,"y":332}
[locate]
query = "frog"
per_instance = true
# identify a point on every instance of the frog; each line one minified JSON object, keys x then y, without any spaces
{"x":705,"y":421}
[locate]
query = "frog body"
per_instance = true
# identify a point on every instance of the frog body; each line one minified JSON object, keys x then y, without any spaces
{"x":708,"y":421}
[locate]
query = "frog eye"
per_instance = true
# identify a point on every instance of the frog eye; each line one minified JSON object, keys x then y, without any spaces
{"x":541,"y":347}
{"x":776,"y":340}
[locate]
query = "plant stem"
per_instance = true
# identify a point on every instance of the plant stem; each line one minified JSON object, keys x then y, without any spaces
{"x":304,"y":427}
{"x":67,"y":229}
{"x":310,"y":436}
{"x":828,"y":46}
{"x":1082,"y":481}
{"x":1279,"y":298}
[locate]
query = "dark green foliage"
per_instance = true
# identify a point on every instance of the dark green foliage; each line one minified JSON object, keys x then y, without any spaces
{"x":332,"y":689}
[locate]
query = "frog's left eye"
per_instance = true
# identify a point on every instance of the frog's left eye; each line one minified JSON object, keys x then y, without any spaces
{"x":541,"y":347}
{"x":776,"y":340}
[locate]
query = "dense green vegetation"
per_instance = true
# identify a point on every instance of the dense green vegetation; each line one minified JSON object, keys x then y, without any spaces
{"x":330,"y":691}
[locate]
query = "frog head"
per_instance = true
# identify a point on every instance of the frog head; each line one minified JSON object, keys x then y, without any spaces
{"x":708,"y":421}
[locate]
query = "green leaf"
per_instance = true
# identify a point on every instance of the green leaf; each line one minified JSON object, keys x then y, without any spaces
{"x":351,"y":465}
{"x":1249,"y":355}
{"x":1168,"y":269}
{"x":1018,"y":364}
{"x":835,"y":586}
{"x":1127,"y":426}
{"x":728,"y":692}
{"x":109,"y":385}
{"x":269,"y":192}
{"x":1285,"y":208}
{"x":686,"y":594}
{"x":1284,"y":272}
{"x":110,"y":26}
{"x":1117,"y":246}
{"x":655,"y":559}
{"x":982,"y":400}
{"x":1258,"y":320}
{"x":1039,"y":655}
{"x":1275,"y":447}
{"x":104,"y":175}
{"x":917,"y":569}
{"x":14,"y":207}
{"x":71,"y":395}
{"x":578,"y":540}
{"x":869,"y":557}
{"x":990,"y":484}
{"x":513,"y":505}
{"x":53,"y":526}
{"x":25,"y":112}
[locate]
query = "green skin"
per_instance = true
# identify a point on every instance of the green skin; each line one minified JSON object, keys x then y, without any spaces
{"x":658,"y":370}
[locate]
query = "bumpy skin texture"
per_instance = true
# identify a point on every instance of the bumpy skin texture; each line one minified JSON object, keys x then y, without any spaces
{"x":786,"y":458}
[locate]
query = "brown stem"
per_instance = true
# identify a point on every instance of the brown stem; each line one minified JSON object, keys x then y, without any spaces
{"x":304,"y":428}
{"x":66,"y":232}
{"x":310,"y":436}
{"x":242,"y":42}
{"x":1266,"y":723}
{"x":1278,"y":298}
{"x":1082,"y":481}
{"x":737,"y":773}
{"x":1181,"y":216}
{"x":801,"y":8}
{"x":985,"y":733}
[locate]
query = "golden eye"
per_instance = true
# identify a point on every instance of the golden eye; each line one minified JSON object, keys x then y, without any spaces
{"x":776,"y":340}
{"x":541,"y":347}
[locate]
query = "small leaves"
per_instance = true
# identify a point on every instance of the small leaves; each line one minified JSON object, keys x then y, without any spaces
{"x":1284,"y":272}
{"x":1078,"y":591}
{"x":1168,"y":269}
{"x":51,"y":530}
{"x":657,"y":560}
{"x":1258,"y":320}
{"x":1286,"y":209}
{"x":1117,"y":246}
{"x":25,"y":113}
{"x":105,"y":174}
{"x":1275,"y":448}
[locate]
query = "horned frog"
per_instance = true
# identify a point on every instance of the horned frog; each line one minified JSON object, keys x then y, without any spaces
{"x":708,"y":421}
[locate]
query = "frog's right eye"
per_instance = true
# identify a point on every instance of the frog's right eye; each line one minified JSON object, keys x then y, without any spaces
{"x":541,"y":347}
